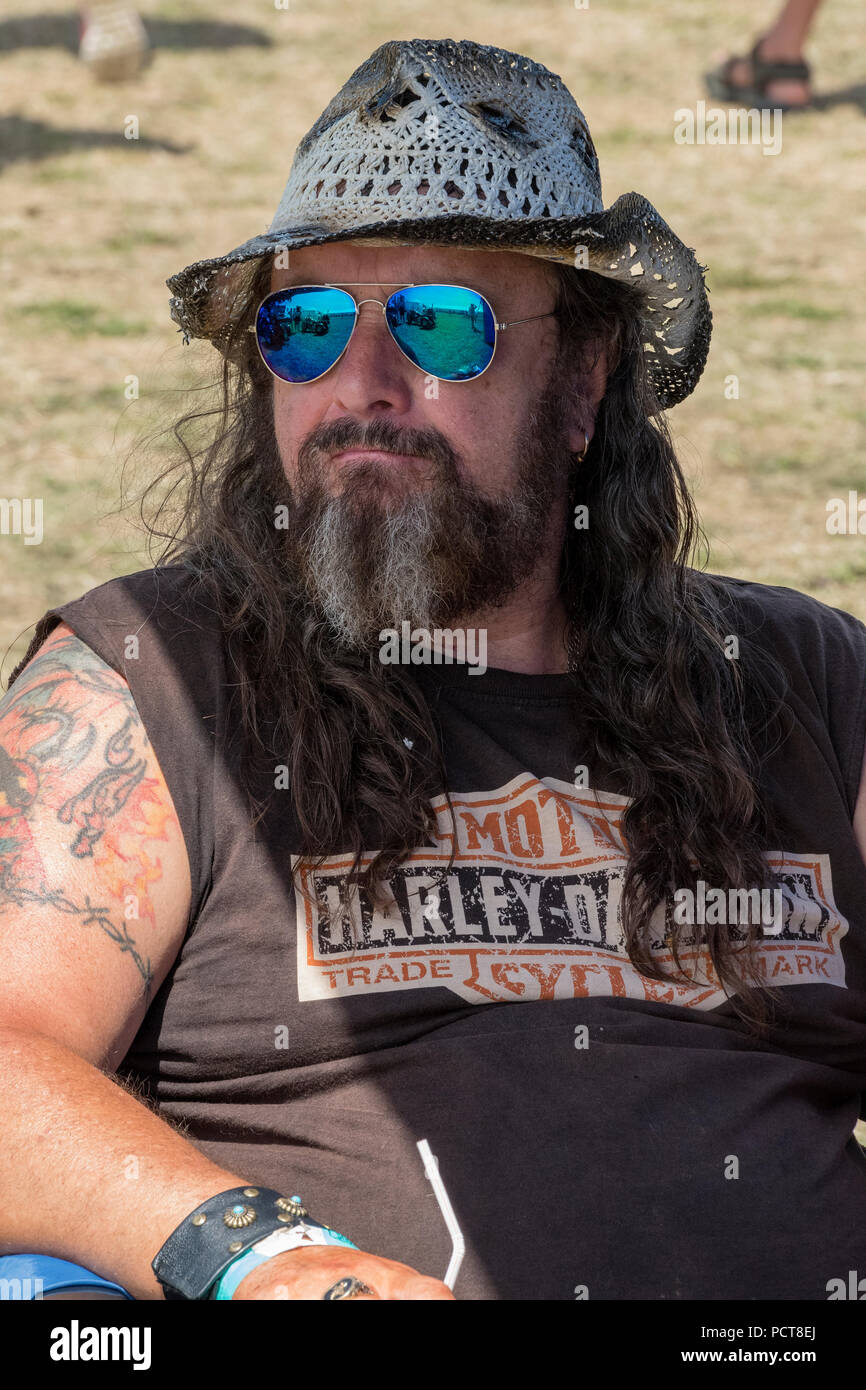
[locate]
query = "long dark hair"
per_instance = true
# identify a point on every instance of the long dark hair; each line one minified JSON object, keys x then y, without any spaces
{"x":680,"y":725}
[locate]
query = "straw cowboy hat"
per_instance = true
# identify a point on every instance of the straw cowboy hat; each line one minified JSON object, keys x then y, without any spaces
{"x":448,"y":143}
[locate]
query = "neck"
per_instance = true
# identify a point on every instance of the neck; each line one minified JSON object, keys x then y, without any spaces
{"x":529,"y":634}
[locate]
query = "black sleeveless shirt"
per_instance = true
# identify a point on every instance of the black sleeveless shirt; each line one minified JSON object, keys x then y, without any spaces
{"x":599,"y":1134}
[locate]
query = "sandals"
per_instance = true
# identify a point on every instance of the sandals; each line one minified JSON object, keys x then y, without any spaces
{"x":764,"y":72}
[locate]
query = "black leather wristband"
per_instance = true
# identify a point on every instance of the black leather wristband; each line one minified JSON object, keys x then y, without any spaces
{"x":205,"y":1243}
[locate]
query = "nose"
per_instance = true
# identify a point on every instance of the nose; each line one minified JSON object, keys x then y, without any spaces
{"x":373,"y":377}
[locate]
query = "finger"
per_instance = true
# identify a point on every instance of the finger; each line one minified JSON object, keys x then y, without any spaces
{"x":295,"y":1292}
{"x":350,"y":1287}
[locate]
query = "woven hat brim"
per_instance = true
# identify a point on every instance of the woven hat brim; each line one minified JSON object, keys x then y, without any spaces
{"x":628,"y":241}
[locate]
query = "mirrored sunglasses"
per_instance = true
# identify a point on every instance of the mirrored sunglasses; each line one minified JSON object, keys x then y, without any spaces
{"x":447,"y":331}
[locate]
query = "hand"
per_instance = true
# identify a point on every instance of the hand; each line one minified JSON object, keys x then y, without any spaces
{"x":307,"y":1272}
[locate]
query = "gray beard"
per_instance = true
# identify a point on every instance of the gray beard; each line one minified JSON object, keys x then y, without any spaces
{"x":401,"y":584}
{"x":435,"y":557}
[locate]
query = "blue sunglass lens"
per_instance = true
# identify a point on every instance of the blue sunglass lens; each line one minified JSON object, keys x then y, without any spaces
{"x":301,"y":332}
{"x":446,"y":330}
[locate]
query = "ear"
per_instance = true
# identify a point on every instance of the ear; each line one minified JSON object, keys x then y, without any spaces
{"x":587,"y":395}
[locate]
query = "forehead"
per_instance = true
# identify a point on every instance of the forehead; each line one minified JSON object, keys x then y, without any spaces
{"x":400,"y":265}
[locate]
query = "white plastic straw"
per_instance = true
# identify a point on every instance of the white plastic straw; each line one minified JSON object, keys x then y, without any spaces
{"x":458,"y":1245}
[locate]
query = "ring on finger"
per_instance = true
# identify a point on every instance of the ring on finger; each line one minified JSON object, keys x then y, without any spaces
{"x":346,"y":1288}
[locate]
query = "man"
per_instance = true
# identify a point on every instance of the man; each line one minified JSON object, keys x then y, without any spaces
{"x":584,"y":919}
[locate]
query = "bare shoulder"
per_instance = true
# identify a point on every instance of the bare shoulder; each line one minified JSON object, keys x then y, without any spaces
{"x":94,"y":874}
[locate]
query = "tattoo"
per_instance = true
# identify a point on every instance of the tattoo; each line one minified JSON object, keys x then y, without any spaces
{"x":73,"y":745}
{"x":102,"y":798}
{"x":88,"y":915}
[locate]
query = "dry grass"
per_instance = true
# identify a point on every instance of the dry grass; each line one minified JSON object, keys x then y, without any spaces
{"x":92,"y":224}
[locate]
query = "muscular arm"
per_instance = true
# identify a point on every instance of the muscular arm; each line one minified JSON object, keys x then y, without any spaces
{"x":94,"y":877}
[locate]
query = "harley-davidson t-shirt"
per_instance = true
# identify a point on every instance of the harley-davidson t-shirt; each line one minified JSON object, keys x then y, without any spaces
{"x":598,"y":1134}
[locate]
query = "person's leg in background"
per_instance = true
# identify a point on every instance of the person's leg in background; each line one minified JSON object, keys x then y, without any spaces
{"x":775,"y":73}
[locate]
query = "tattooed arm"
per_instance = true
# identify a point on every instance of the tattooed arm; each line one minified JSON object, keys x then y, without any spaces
{"x":94,"y":901}
{"x":88,"y":833}
{"x":94,"y":875}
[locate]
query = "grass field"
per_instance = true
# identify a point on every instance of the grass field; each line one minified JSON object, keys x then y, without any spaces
{"x":93,"y":223}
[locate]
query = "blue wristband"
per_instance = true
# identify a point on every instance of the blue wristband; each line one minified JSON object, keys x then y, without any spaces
{"x":226,"y":1285}
{"x":230,"y":1278}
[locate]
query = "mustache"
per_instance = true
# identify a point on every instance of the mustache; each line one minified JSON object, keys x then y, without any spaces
{"x":379,"y":433}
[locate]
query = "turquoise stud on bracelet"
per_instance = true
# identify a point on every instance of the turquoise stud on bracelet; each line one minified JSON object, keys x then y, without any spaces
{"x":195,"y":1254}
{"x":239,"y":1215}
{"x":293,"y":1205}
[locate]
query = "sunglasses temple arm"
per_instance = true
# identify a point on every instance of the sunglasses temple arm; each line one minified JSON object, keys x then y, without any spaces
{"x":502,"y":326}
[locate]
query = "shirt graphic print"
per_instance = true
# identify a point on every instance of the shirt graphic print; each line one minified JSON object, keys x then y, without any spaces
{"x":531,"y":909}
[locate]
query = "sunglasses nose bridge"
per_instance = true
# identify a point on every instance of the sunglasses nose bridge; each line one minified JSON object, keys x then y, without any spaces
{"x":380,"y":302}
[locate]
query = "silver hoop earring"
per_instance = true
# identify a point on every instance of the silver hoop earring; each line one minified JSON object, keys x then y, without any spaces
{"x":581,"y":456}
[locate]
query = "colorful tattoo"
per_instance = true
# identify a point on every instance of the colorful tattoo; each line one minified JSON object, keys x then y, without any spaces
{"x":73,"y":746}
